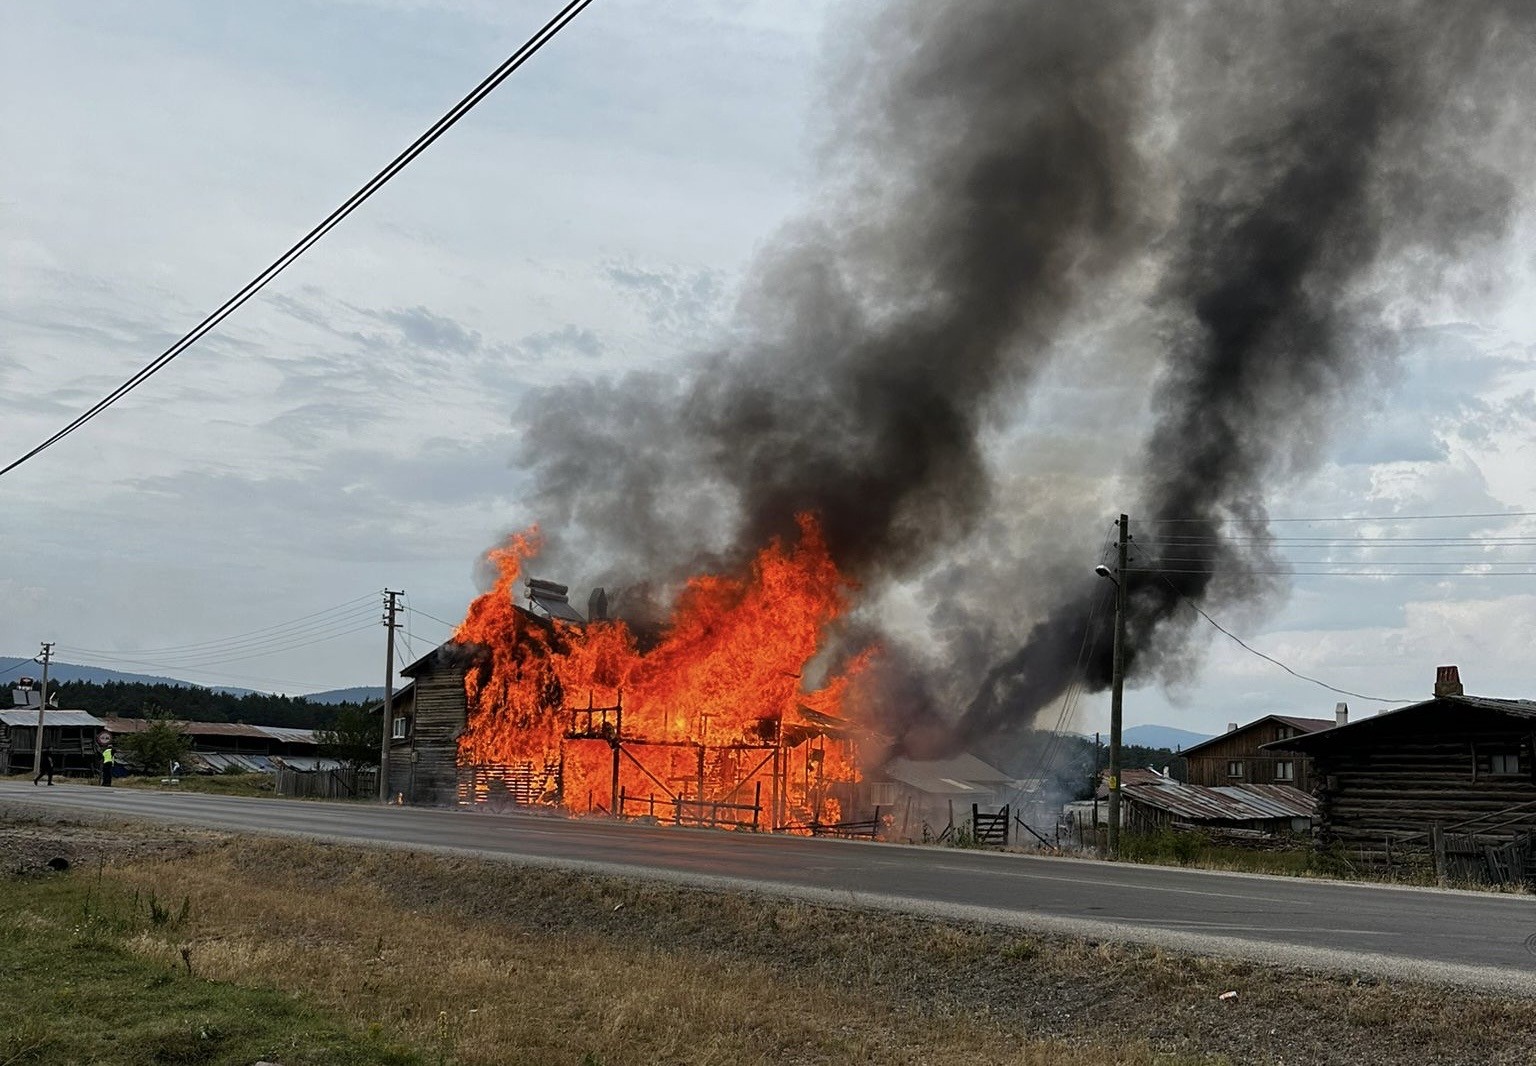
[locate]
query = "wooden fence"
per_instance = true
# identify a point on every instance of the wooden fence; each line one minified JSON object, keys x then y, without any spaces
{"x":1466,"y":857}
{"x":328,"y":784}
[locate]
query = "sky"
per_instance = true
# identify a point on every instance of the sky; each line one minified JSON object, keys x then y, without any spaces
{"x":353,"y":428}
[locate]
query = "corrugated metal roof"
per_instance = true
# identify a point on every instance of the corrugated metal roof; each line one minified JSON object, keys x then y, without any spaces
{"x":1225,"y":803}
{"x":223,"y":760}
{"x":52,"y":718}
{"x":282,"y":734}
{"x":290,"y":736}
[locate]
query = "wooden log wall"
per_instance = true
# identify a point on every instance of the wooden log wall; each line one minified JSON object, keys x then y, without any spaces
{"x":1404,"y":783}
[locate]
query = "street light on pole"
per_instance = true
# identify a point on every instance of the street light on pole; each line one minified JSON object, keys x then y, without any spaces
{"x":1117,"y":683}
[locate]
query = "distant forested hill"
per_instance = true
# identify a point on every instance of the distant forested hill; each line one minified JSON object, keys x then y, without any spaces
{"x":130,"y":699}
{"x":12,"y":667}
{"x":357,"y":694}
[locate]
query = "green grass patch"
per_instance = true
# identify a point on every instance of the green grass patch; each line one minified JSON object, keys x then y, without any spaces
{"x":74,"y":991}
{"x":1172,"y":848}
{"x":216,"y":784}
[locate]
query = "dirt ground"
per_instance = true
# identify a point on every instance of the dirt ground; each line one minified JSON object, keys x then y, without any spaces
{"x":1073,"y":990}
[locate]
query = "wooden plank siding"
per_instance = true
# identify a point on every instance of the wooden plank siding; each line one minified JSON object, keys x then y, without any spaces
{"x":1208,"y":762}
{"x":1441,"y":763}
{"x":424,"y":767}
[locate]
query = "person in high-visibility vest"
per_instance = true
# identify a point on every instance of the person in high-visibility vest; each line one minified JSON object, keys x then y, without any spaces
{"x":106,"y":766}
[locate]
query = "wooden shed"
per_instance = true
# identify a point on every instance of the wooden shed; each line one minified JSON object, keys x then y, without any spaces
{"x":68,"y":736}
{"x":1464,"y":764}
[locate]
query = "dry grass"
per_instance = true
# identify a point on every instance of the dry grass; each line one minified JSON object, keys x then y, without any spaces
{"x":446,"y":979}
{"x":481,"y":962}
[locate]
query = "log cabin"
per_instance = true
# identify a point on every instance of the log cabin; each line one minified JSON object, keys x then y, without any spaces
{"x":1456,"y":763}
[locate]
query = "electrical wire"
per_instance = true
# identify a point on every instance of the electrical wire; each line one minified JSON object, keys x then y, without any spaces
{"x":1385,"y":519}
{"x":1254,"y":651}
{"x":433,"y":617}
{"x":260,"y":281}
{"x":315,"y":620}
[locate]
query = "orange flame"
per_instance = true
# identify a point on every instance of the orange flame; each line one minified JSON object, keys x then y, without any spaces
{"x":710,"y":724}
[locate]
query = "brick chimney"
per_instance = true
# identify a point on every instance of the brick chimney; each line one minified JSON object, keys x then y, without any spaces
{"x":1340,"y":714}
{"x":1448,"y":682}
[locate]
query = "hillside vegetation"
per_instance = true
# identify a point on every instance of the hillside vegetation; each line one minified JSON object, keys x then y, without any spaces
{"x":190,"y":703}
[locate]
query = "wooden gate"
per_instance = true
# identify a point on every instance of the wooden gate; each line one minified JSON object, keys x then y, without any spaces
{"x":990,"y":828}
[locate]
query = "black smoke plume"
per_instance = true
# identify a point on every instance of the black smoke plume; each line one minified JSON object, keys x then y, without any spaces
{"x":993,"y":164}
{"x":1343,"y":134}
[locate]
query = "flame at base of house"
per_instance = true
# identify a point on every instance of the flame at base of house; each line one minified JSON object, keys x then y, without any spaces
{"x":707,"y":721}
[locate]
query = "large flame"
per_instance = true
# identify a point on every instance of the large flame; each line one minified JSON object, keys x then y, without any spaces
{"x":711,"y":723}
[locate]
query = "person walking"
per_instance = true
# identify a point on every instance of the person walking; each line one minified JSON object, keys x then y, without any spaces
{"x":106,"y":766}
{"x":46,"y":769}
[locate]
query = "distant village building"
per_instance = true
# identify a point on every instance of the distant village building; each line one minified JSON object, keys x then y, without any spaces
{"x":221,"y":746}
{"x":68,"y":736}
{"x":1239,"y":756}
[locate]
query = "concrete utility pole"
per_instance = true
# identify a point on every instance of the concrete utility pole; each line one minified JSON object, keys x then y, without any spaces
{"x":37,"y":750}
{"x":387,"y":712}
{"x":1117,"y":689}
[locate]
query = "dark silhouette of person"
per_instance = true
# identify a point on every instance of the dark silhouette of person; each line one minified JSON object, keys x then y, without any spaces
{"x":45,"y":769}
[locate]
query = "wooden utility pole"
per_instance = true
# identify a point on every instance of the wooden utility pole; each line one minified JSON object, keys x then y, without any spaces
{"x":1117,"y":689}
{"x":42,"y":707}
{"x":387,"y":714}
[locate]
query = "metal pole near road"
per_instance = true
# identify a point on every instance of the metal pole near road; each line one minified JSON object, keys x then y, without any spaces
{"x":387,"y":712}
{"x":42,"y":708}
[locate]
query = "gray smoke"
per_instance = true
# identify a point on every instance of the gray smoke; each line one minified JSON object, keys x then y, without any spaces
{"x":1343,"y":135}
{"x":996,"y":163}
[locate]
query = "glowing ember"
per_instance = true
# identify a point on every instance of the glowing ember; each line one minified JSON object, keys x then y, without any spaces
{"x":709,"y":725}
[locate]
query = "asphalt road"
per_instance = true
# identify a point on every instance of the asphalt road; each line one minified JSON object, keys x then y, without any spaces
{"x":1469,"y":938}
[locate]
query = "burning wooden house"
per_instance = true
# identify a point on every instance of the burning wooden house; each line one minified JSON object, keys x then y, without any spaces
{"x":705,"y":723}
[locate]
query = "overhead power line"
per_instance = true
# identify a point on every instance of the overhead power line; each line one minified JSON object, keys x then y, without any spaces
{"x":304,"y":622}
{"x":433,"y":617}
{"x":282,"y":262}
{"x":1384,"y":518}
{"x":1240,"y":642}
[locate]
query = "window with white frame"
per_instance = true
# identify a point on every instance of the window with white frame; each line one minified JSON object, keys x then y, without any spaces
{"x":400,"y":723}
{"x":1285,"y":770}
{"x":1508,"y":763}
{"x":1235,"y":768}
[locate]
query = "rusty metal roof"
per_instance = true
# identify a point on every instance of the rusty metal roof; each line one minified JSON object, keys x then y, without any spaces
{"x":1224,"y":803}
{"x":220,"y":729}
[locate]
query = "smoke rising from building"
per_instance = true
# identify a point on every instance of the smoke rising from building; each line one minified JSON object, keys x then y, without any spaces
{"x":993,"y":165}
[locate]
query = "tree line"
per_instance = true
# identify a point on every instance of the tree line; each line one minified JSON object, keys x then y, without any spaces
{"x":138,"y":699}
